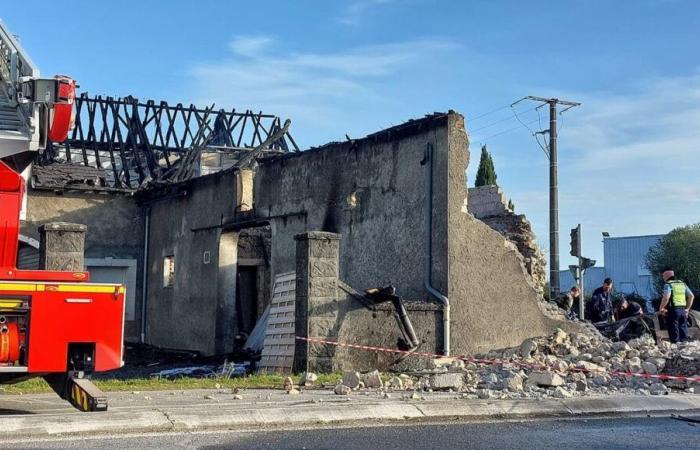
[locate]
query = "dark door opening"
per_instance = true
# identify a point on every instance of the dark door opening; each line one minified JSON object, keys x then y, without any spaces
{"x":246,"y":298}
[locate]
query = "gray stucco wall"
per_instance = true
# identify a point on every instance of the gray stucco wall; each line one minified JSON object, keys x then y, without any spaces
{"x":326,"y":310}
{"x":192,"y":313}
{"x":115,"y":229}
{"x":373,"y":193}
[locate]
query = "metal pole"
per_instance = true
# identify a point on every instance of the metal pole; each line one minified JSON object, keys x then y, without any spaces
{"x":554,"y":287}
{"x":582,"y":295}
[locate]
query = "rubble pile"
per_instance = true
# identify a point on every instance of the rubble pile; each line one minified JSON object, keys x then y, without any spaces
{"x":562,"y":365}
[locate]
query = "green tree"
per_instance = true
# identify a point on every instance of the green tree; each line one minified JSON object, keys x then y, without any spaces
{"x":486,"y":174}
{"x":680,"y":250}
{"x":511,"y":206}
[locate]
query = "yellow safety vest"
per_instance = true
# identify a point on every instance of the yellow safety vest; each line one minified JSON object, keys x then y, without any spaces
{"x":677,"y":293}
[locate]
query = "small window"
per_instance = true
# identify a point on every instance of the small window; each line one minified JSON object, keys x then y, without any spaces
{"x":169,"y":271}
{"x":207,"y":256}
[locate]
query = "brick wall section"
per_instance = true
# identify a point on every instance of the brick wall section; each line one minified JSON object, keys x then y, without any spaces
{"x":485,"y":201}
{"x":488,"y":204}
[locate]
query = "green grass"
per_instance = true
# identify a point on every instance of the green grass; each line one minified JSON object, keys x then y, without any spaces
{"x":38,"y":385}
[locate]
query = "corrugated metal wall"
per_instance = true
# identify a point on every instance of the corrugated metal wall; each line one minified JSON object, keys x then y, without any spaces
{"x":625,"y":263}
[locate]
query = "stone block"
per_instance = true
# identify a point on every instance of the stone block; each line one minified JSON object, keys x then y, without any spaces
{"x":527,"y":348}
{"x":62,"y":246}
{"x":445,"y":381}
{"x":324,"y":249}
{"x":323,"y":267}
{"x":542,"y":378}
{"x":372,"y":379}
{"x":323,"y":287}
{"x":351,"y":379}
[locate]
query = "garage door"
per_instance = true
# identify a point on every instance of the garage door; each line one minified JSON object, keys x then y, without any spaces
{"x":100,"y":272}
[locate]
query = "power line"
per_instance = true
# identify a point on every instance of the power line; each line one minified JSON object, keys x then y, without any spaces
{"x":471,"y":119}
{"x":499,"y":121}
{"x":506,"y":131}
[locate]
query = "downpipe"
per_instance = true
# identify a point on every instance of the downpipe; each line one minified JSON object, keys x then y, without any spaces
{"x":144,"y":277}
{"x":428,"y":280}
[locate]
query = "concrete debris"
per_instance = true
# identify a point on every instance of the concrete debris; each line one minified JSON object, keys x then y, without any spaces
{"x":515,"y":383}
{"x":288,"y":384}
{"x":485,"y":394}
{"x":560,"y":392}
{"x":559,"y":336}
{"x":445,"y":381}
{"x":308,"y":379}
{"x":456,"y":366}
{"x":544,"y":378}
{"x":561,"y":366}
{"x":294,"y":391}
{"x":396,"y":383}
{"x":341,"y":389}
{"x":352,"y":379}
{"x":407,"y":381}
{"x":527,"y":348}
{"x":442,"y":362}
{"x":372,"y":380}
{"x":649,"y":368}
{"x":658,"y":389}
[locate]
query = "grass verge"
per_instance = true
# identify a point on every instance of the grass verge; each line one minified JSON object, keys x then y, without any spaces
{"x":38,"y":385}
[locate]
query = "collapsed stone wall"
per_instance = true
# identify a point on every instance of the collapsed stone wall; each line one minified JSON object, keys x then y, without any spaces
{"x":488,"y":204}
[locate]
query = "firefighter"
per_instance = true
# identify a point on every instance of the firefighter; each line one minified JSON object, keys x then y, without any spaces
{"x":675,"y":305}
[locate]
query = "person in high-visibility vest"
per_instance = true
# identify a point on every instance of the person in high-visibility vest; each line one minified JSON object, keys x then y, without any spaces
{"x":675,"y":304}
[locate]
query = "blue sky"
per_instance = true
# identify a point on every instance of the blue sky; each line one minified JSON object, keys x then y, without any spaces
{"x":629,"y":156}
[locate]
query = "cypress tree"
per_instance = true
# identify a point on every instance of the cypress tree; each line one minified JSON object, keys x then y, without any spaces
{"x":486,"y":174}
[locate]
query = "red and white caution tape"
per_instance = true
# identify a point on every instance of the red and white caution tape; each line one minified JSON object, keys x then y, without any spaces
{"x":501,"y":362}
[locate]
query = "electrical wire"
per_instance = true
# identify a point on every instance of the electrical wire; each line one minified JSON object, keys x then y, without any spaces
{"x":472,"y":119}
{"x":506,"y":131}
{"x":534,"y":134}
{"x":499,"y":121}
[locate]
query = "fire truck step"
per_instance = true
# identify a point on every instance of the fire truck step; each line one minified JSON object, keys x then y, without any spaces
{"x":87,"y":397}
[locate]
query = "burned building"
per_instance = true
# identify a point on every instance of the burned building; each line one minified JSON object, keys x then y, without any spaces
{"x":212,"y":245}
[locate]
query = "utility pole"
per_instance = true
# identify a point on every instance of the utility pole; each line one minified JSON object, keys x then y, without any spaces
{"x":554,"y":287}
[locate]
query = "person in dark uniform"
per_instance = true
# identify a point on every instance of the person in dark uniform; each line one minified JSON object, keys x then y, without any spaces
{"x":600,"y":308}
{"x":625,"y":309}
{"x":675,"y":305}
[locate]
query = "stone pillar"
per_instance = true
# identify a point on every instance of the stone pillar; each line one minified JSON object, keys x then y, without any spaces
{"x":62,"y":246}
{"x":317,"y":271}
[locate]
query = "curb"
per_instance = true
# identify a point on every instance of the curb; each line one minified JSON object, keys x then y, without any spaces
{"x":246,"y":417}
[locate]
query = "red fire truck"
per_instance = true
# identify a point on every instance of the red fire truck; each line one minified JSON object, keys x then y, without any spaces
{"x":53,"y":324}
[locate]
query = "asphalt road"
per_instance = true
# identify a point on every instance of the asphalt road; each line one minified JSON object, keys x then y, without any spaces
{"x":635,"y":433}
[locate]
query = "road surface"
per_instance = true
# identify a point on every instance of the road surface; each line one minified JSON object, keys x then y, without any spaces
{"x":601,"y":433}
